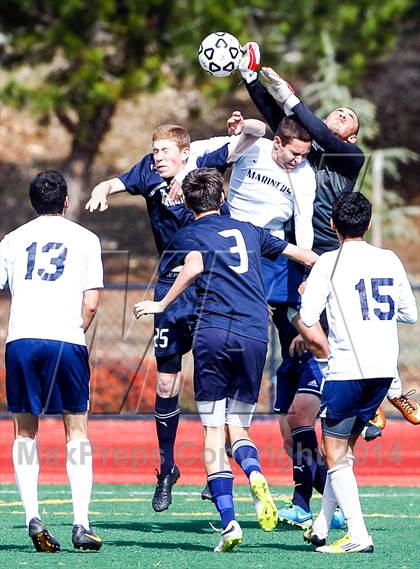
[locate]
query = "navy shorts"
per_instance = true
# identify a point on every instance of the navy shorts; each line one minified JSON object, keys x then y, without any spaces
{"x":282,"y":279}
{"x":46,"y":376}
{"x":174,"y":327}
{"x":297,"y":374}
{"x":227,"y":365}
{"x":347,"y":405}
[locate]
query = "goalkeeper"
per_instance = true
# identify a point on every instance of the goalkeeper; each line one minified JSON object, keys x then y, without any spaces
{"x":335,"y":158}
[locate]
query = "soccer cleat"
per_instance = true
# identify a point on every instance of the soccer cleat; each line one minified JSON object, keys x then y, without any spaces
{"x":263,"y":501}
{"x":347,"y":545}
{"x":295,"y":516}
{"x":85,"y":539}
{"x":42,"y":539}
{"x":230,"y":538}
{"x":310,"y":537}
{"x":409,"y":409}
{"x":379,"y":420}
{"x":206,"y":494}
{"x":338,"y":521}
{"x":371,"y":432}
{"x":162,"y":498}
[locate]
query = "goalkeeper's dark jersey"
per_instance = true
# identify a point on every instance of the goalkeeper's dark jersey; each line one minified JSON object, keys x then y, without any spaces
{"x":166,"y":215}
{"x":336,"y":163}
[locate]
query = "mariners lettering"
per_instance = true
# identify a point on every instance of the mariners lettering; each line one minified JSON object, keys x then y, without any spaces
{"x":277,"y":184}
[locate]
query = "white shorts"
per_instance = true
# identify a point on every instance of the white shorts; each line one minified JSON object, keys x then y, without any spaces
{"x":226,"y":412}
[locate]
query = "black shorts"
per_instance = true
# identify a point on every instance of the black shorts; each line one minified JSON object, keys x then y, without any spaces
{"x":174,"y":327}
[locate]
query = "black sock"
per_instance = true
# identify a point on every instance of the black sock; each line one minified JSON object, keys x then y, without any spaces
{"x":305,"y":451}
{"x":167,"y":419}
{"x":320,"y":474}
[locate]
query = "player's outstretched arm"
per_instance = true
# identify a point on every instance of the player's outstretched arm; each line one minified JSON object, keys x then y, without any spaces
{"x":249,"y":131}
{"x":303,"y":256}
{"x":193,"y":266}
{"x":261,"y":98}
{"x":98,"y":198}
{"x":283,"y":93}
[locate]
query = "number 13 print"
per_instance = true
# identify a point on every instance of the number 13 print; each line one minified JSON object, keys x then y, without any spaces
{"x":57,"y":261}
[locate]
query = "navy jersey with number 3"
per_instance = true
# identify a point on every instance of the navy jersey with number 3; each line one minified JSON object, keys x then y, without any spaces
{"x":230,"y":289}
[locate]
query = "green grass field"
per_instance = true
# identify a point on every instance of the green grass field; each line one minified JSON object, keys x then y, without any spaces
{"x":136,"y":537}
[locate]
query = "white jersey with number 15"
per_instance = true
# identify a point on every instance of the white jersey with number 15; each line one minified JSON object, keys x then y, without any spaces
{"x":366,"y":292}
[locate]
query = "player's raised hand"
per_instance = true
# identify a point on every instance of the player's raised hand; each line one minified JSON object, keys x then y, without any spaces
{"x":97,"y":202}
{"x":279,"y":88}
{"x":235,"y":123}
{"x":147,"y":307}
{"x":98,"y":198}
{"x":250,"y":61}
{"x":175,"y":189}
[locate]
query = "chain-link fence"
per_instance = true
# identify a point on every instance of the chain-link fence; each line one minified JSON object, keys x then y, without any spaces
{"x":124,"y":369}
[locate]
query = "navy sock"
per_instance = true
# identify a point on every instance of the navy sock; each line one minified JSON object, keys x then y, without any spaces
{"x":305,"y":452}
{"x":221,"y":488}
{"x":320,"y":474}
{"x":246,"y":455}
{"x":167,"y":419}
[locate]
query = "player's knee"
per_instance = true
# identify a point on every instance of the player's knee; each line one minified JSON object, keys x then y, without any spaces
{"x":26,"y":433}
{"x":74,"y":433}
{"x":25,"y":426}
{"x":167,"y":385}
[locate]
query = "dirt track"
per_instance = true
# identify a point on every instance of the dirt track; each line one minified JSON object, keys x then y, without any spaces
{"x":125,"y":452}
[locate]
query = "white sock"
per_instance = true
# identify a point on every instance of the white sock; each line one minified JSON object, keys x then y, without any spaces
{"x":26,"y":465}
{"x":321,"y":525}
{"x":395,"y":389}
{"x":80,"y":475}
{"x":344,"y":486}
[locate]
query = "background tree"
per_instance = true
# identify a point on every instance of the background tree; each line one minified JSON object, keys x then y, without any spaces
{"x":87,"y":56}
{"x":391,"y":217}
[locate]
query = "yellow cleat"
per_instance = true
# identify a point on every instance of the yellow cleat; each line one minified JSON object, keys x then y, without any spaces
{"x":264,"y":504}
{"x":347,"y":545}
{"x":409,"y":409}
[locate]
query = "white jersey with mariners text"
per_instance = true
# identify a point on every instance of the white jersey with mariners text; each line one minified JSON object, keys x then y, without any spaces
{"x":48,"y":264}
{"x":263,"y":193}
{"x":366,"y":292}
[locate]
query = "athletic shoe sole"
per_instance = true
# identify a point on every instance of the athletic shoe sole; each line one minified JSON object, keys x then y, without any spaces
{"x":267,"y":512}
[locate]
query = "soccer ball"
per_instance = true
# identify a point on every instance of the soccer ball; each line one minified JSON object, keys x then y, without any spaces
{"x":219,"y":54}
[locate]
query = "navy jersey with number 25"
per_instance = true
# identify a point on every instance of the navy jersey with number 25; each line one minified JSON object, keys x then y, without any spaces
{"x":230,"y":289}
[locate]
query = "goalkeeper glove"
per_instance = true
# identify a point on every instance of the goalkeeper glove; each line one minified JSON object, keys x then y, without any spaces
{"x":280,"y":90}
{"x":250,"y":61}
